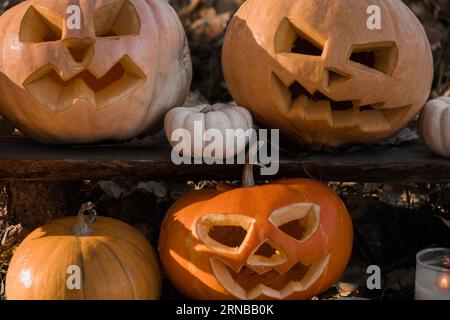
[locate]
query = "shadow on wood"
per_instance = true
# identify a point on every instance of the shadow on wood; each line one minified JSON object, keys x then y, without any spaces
{"x":32,"y":204}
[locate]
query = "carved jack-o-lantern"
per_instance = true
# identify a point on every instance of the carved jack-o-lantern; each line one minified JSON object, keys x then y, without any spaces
{"x":113,"y":77}
{"x":287,"y":240}
{"x":319,"y":71}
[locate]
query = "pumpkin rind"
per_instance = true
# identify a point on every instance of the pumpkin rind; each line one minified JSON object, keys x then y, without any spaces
{"x":189,"y":261}
{"x":314,"y":70}
{"x":116,"y":263}
{"x":84,"y":87}
{"x":434,"y":126}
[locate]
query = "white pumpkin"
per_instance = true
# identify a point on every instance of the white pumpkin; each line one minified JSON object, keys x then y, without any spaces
{"x":434,"y":126}
{"x":196,"y":134}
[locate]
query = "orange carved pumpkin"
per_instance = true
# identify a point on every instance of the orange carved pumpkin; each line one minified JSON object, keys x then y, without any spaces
{"x":287,"y":240}
{"x":114,"y":78}
{"x":317,"y":71}
{"x":70,"y":259}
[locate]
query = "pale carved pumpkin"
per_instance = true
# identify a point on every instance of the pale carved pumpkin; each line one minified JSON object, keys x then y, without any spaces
{"x":231,"y":121}
{"x":316,"y":71}
{"x":107,"y":259}
{"x":434,"y":126}
{"x":113,"y":79}
{"x":287,"y":240}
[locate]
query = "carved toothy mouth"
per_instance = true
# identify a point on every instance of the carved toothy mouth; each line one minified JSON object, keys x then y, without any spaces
{"x":56,"y":93}
{"x":299,"y":103}
{"x":248,"y":284}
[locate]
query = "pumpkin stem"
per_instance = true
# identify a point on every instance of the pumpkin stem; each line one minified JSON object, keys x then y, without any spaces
{"x":247,"y":180}
{"x":207,"y":109}
{"x":86,"y":216}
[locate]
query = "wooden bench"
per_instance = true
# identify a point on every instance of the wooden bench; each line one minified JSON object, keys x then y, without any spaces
{"x":43,"y":181}
{"x":22,"y":159}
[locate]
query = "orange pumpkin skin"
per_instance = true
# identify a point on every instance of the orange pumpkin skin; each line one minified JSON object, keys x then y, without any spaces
{"x":188,"y":261}
{"x":314,"y":70}
{"x":115,"y":260}
{"x":105,"y":81}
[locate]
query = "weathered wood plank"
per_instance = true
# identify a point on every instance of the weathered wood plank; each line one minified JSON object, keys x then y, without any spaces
{"x":32,"y":204}
{"x":23,"y":159}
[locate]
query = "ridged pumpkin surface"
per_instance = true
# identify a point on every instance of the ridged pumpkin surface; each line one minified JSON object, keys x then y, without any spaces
{"x":115,"y":260}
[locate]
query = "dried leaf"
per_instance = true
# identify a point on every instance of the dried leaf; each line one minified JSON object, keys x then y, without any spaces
{"x":158,"y":189}
{"x":447,"y":222}
{"x":10,"y":235}
{"x":406,"y":135}
{"x":399,"y":279}
{"x":396,"y":196}
{"x":210,"y":27}
{"x":354,"y":277}
{"x":146,"y":142}
{"x":112,"y":189}
{"x":195,"y":99}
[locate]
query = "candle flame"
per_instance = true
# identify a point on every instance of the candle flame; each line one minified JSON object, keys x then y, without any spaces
{"x":443,"y":284}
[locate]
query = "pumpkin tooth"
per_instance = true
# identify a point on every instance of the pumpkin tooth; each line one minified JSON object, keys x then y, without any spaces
{"x":338,"y":114}
{"x":223,"y":275}
{"x":319,"y":110}
{"x":315,"y":271}
{"x":47,"y":92}
{"x":83,"y":92}
{"x":373,"y":121}
{"x":248,"y":284}
{"x":281,"y":94}
{"x":57,"y":93}
{"x":299,"y":107}
{"x":396,"y":114}
{"x":260,"y":290}
{"x":345,"y":119}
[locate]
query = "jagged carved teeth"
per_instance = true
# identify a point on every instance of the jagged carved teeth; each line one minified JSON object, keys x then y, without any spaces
{"x":247,"y":284}
{"x":298,"y":103}
{"x":47,"y":86}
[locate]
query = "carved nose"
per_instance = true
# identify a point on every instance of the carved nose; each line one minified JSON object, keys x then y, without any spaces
{"x":79,"y":51}
{"x":335,"y":77}
{"x":268,"y":254}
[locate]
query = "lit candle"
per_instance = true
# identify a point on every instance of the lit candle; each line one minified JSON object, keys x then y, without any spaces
{"x":443,"y":283}
{"x":433,"y":274}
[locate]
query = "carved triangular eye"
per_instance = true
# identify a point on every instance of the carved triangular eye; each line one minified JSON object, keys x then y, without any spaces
{"x":303,"y":45}
{"x":40,"y":25}
{"x":225,"y":233}
{"x":291,"y":38}
{"x":299,"y":221}
{"x":381,"y":56}
{"x":117,"y":19}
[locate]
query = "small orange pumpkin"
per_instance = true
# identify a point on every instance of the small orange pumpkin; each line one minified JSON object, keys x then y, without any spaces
{"x":287,"y":240}
{"x":114,"y":261}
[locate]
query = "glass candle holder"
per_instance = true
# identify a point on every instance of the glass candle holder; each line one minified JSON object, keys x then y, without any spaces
{"x":433,"y":274}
